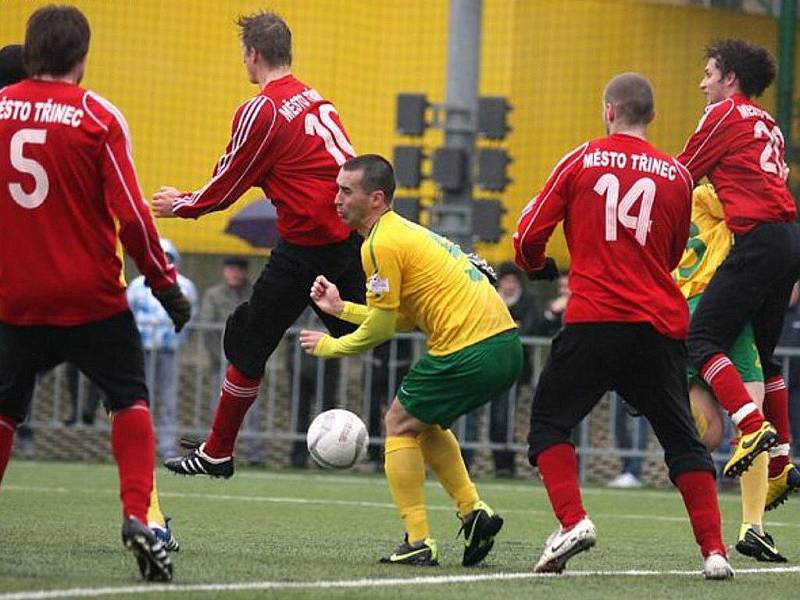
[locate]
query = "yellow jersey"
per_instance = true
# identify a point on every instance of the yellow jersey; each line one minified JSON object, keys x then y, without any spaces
{"x":709,"y":243}
{"x":430,"y":281}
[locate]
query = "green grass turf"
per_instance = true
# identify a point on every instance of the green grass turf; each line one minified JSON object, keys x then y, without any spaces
{"x":59,"y":529}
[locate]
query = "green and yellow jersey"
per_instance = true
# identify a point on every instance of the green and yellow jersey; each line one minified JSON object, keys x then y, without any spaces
{"x":416,"y":278}
{"x":709,"y":243}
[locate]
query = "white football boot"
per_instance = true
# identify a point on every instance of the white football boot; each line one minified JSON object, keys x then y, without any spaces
{"x":563,"y":544}
{"x":716,"y":566}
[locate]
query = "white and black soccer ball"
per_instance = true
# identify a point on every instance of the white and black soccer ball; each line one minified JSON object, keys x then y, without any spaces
{"x":337,"y":439}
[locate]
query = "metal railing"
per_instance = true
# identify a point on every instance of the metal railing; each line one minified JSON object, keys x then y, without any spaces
{"x":296,"y":387}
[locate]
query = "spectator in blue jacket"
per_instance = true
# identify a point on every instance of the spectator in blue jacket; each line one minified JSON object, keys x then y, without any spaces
{"x":161,"y":350}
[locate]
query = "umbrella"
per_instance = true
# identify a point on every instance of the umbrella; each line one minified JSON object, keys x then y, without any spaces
{"x":256,"y":224}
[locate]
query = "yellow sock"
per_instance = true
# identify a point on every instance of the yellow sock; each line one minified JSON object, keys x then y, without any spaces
{"x":442,"y":452}
{"x":154,"y":514}
{"x":754,"y":490}
{"x":405,"y":473}
{"x":700,"y":421}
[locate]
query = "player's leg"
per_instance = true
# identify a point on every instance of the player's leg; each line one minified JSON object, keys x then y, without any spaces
{"x":405,"y":474}
{"x":23,"y":352}
{"x":784,"y":477}
{"x":743,"y":284}
{"x":753,"y":540}
{"x":656,"y":385}
{"x":576,"y":375}
{"x":438,"y":391}
{"x":158,"y":523}
{"x":706,"y":415}
{"x":252,"y":333}
{"x":110,"y":353}
{"x":717,"y":320}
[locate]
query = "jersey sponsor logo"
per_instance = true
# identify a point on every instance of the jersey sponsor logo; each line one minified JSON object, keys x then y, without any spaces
{"x":377,"y":284}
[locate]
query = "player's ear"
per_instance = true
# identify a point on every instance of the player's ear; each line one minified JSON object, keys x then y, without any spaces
{"x":730,"y":79}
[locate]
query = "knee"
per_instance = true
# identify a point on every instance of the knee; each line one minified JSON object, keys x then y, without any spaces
{"x":399,"y":423}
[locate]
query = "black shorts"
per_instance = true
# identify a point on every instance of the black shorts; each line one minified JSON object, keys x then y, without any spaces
{"x":752,"y":285}
{"x":281,"y":294}
{"x":108,"y":352}
{"x":645,"y":367}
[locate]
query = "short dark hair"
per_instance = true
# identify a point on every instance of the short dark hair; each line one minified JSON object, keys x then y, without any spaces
{"x":632,"y":97}
{"x":56,"y":39}
{"x":753,"y":65}
{"x":378,"y":174}
{"x":235,"y":261}
{"x":12,"y":69}
{"x":268,"y":33}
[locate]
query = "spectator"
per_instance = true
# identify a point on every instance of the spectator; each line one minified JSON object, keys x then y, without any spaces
{"x":551,"y":319}
{"x":219,"y":301}
{"x":318,"y":381}
{"x":790,"y":338}
{"x":631,"y":474}
{"x":161,"y":348}
{"x":522,"y":306}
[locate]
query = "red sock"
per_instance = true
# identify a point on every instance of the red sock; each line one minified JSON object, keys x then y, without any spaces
{"x":700,"y":497}
{"x":724,"y":379}
{"x":238,"y":393}
{"x":558,"y":467}
{"x":7,"y":429}
{"x":776,"y":409}
{"x":134,"y":450}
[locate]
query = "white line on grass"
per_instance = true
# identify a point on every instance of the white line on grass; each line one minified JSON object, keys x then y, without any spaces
{"x":355,"y":583}
{"x":334,"y":478}
{"x":360,"y":503}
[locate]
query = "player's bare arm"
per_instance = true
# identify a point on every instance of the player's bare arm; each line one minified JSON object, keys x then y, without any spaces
{"x":162,"y":201}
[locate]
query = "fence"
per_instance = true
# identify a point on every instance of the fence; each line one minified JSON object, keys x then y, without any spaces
{"x":297,"y":387}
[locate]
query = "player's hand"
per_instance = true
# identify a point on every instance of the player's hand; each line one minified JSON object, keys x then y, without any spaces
{"x":549,"y":271}
{"x":309,"y":340}
{"x":162,"y":201}
{"x":325,"y":294}
{"x":176,"y":304}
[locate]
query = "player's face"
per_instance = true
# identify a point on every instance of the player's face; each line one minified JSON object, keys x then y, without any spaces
{"x":352,"y":203}
{"x":712,"y":83}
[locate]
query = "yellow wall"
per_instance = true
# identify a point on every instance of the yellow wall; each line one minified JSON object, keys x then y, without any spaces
{"x":173,"y":67}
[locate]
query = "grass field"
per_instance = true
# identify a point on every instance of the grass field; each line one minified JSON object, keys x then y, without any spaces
{"x":316,"y":534}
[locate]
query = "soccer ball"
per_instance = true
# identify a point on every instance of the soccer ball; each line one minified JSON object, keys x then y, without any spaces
{"x":337,"y":439}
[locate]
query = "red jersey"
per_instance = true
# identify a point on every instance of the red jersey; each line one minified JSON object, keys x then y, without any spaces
{"x":68,"y":195}
{"x":288,"y":141}
{"x":740,"y":148}
{"x":626,"y":208}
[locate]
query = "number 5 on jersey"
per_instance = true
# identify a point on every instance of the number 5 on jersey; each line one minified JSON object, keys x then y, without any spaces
{"x":29,"y":166}
{"x":619,"y":212}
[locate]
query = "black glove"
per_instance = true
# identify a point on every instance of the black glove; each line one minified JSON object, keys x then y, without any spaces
{"x":549,"y":271}
{"x":175,"y":303}
{"x":484,"y":267}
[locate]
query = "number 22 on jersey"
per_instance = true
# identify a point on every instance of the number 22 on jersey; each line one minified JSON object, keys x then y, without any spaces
{"x":619,"y":212}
